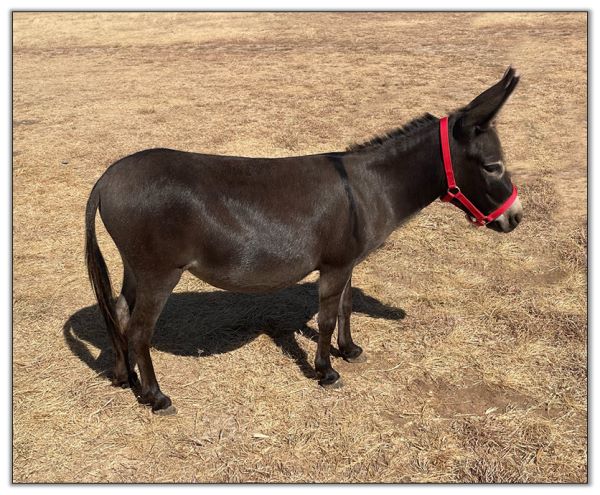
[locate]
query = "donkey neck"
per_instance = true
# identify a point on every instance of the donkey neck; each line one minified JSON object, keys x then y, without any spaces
{"x":408,"y":171}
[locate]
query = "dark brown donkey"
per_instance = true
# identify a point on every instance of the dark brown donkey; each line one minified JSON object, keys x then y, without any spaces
{"x":261,"y":224}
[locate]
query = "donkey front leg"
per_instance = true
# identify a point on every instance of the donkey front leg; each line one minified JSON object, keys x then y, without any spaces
{"x":348,"y":349}
{"x":152,"y":294}
{"x":331,"y":286}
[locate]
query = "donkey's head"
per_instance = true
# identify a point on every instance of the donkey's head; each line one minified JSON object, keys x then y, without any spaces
{"x":477,"y":156}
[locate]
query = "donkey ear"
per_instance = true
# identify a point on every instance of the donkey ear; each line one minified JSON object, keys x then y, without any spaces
{"x":482,"y":110}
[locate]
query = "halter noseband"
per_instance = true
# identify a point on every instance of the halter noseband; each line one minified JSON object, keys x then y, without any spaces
{"x":477,"y":218}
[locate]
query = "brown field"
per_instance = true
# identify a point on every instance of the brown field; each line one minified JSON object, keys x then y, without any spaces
{"x":477,"y":364}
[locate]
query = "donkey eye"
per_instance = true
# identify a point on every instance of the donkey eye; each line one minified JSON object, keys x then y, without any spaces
{"x":493,"y":168}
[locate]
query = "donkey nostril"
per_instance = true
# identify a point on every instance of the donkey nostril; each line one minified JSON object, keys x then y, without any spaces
{"x":514,"y":220}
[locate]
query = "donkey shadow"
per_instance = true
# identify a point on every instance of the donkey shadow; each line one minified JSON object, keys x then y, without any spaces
{"x":207,"y":323}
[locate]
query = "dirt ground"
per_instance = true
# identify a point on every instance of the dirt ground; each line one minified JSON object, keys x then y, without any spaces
{"x":477,"y":341}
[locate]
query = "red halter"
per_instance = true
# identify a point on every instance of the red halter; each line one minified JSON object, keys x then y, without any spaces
{"x":454,"y":192}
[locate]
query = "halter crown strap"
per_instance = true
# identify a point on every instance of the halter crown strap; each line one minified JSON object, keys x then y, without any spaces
{"x":454,"y":192}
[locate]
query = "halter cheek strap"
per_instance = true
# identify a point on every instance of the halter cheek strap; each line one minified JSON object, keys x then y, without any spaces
{"x":454,"y":192}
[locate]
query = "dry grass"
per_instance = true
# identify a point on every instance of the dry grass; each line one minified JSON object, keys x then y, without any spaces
{"x":482,"y":380}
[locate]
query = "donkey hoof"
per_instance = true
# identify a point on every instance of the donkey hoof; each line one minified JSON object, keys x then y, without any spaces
{"x":355,"y":355}
{"x":161,"y":404}
{"x":332,"y":381}
{"x":169,"y":411}
{"x":361,"y":358}
{"x":119,"y":381}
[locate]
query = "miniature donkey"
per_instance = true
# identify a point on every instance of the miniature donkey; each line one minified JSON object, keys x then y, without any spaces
{"x":262,"y":224}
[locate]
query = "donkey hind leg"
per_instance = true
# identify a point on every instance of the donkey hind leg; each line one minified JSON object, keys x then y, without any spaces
{"x":151,"y":295}
{"x":331,"y":287}
{"x":123,"y":374}
{"x":348,"y":349}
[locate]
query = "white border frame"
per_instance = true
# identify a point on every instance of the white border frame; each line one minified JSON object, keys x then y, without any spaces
{"x":228,"y":5}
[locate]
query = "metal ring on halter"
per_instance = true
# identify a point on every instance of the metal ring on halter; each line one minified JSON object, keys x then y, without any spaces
{"x":473,"y":220}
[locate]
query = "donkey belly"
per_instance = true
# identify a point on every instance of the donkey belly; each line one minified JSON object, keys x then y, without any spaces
{"x":253,"y":260}
{"x":241,"y":278}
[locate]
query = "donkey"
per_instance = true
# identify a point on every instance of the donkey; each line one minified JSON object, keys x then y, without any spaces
{"x":262,"y":224}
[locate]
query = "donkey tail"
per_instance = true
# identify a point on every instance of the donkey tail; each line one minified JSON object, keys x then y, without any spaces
{"x":97,"y":270}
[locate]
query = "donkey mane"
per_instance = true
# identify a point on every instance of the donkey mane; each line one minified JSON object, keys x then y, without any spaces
{"x":404,"y":131}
